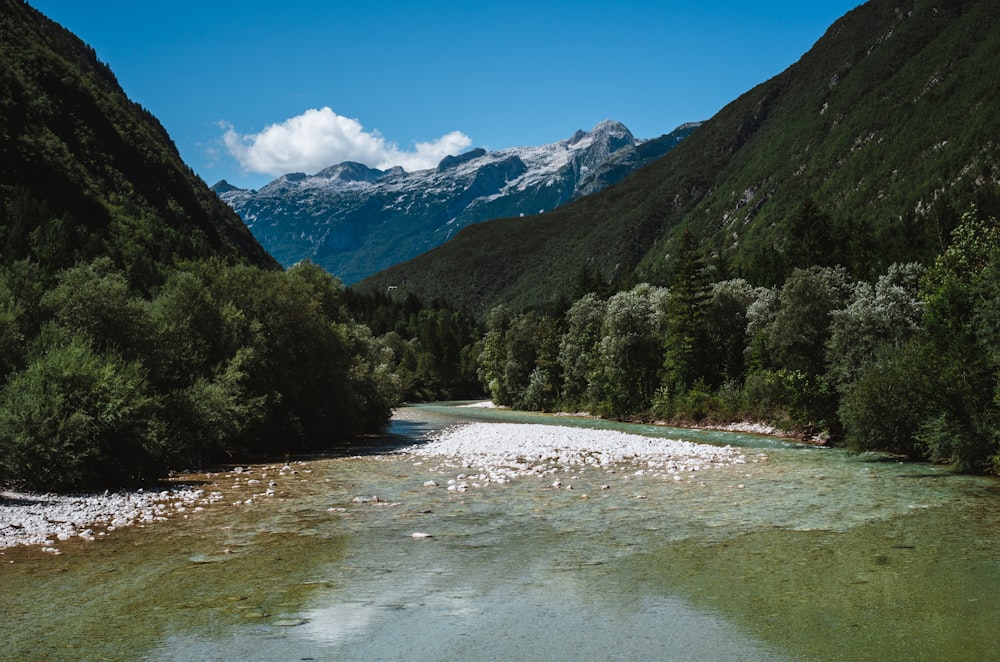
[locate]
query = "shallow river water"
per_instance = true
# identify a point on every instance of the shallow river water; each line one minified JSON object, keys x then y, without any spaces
{"x":801,"y":553}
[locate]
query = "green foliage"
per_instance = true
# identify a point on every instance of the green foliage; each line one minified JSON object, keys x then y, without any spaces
{"x":630,"y":354}
{"x":519,"y":363}
{"x":862,"y":154}
{"x":961,"y":301}
{"x":795,"y":337}
{"x":877,"y":318}
{"x":493,"y":359}
{"x":685,"y":356}
{"x":221,"y":361}
{"x":19,"y":316}
{"x":891,"y":395}
{"x":908,"y":363}
{"x":936,"y":395}
{"x":86,"y":173}
{"x":210,"y":416}
{"x":434,"y":349}
{"x":93,"y":301}
{"x":791,"y":399}
{"x":809,"y":237}
{"x":542,"y":391}
{"x":135,"y":335}
{"x":726,"y":336}
{"x":78,"y":418}
{"x":579,"y":350}
{"x":192,"y":334}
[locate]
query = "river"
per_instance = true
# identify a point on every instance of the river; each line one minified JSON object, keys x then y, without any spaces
{"x":805,"y":554}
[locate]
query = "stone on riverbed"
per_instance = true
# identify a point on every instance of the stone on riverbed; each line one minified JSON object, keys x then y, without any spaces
{"x":501,"y":452}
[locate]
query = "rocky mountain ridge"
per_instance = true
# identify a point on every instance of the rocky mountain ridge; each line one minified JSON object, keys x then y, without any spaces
{"x":865,"y":152}
{"x":354,"y":220}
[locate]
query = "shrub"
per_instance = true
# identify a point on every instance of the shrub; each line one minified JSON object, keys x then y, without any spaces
{"x":885,"y":407}
{"x":77,"y":418}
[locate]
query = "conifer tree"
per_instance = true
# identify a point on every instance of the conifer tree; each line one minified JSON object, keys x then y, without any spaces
{"x":686,"y":350}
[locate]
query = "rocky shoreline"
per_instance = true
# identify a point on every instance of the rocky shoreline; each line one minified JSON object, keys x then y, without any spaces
{"x":747,"y":427}
{"x":28,"y":518}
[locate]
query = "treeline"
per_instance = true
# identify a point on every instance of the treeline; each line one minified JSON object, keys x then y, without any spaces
{"x":908,"y":363}
{"x":105,"y":385}
{"x":434,"y":347}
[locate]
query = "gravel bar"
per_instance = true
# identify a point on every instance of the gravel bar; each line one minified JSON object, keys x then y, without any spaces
{"x":501,"y":452}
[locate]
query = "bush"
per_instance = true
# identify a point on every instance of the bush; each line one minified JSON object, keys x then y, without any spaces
{"x":791,"y":398}
{"x":884,"y":409}
{"x":77,"y":418}
{"x":971,"y":444}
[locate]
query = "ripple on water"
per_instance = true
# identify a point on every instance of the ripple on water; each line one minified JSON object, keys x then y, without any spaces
{"x":811,"y":554}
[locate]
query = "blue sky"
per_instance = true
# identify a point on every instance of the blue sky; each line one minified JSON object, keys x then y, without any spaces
{"x":249,"y":90}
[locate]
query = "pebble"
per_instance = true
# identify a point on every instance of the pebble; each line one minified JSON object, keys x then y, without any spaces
{"x":496,"y":453}
{"x":28,"y":518}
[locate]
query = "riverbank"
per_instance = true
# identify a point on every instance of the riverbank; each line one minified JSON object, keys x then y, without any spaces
{"x":748,"y":427}
{"x":29,"y":518}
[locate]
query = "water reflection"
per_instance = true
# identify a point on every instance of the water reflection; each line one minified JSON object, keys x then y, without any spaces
{"x":811,"y":554}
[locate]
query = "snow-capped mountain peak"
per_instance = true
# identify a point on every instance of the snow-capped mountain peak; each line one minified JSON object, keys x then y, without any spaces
{"x":355,"y":220}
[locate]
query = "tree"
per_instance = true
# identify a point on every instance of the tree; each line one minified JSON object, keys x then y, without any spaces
{"x":810,"y":237}
{"x":726,"y":319}
{"x":211,"y":417}
{"x":578,"y":350}
{"x":686,"y":347}
{"x":888,"y":400}
{"x":493,"y":359}
{"x":94,"y":301}
{"x":630,"y":353}
{"x":190,"y":332}
{"x":20,"y":316}
{"x":78,"y":418}
{"x":937,"y":395}
{"x":789,"y":331}
{"x":961,"y":300}
{"x":879,"y":317}
{"x":796,"y":336}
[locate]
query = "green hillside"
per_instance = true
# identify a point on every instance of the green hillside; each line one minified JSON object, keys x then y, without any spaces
{"x":142,"y":327}
{"x":85,"y":172}
{"x":864,"y":153}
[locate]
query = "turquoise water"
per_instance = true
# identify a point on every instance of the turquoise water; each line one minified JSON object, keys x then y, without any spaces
{"x":809,"y":554}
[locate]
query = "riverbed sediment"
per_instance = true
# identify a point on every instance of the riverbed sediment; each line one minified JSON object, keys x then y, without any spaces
{"x":477,"y":454}
{"x":485,"y":453}
{"x":29,"y":518}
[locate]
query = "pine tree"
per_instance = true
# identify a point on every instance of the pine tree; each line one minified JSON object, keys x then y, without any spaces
{"x":686,"y":350}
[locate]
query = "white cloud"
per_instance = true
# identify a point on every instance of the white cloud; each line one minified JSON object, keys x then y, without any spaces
{"x":320,"y":137}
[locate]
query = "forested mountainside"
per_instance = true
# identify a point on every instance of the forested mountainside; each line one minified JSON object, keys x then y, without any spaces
{"x":142,"y":327}
{"x":863,"y":153}
{"x":85,"y":172}
{"x":354,"y":220}
{"x":823,"y":255}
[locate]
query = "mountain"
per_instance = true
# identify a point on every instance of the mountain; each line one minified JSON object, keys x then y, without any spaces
{"x":354,"y":220}
{"x":868,"y":148}
{"x":85,"y":172}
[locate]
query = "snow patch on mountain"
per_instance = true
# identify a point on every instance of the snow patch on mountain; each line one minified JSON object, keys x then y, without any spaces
{"x":355,"y":220}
